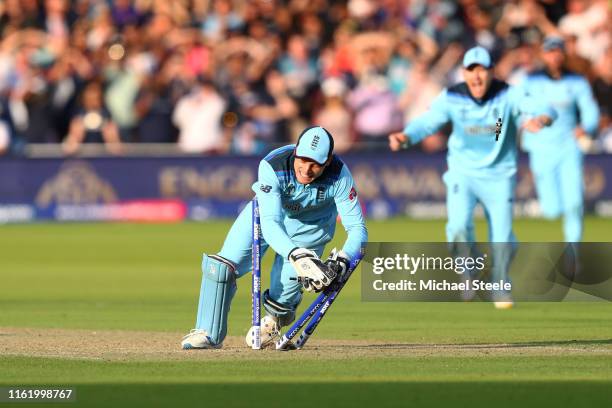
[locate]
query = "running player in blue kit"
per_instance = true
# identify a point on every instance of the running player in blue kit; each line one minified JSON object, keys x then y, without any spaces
{"x":558,"y":172}
{"x":486,"y":114}
{"x":301,"y":190}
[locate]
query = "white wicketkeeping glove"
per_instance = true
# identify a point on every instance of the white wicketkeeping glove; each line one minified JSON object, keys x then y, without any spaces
{"x":311,"y":272}
{"x":338,"y":261}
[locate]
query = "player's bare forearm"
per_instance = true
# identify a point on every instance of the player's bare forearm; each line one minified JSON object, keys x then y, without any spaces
{"x":398,"y":141}
{"x":537,"y":123}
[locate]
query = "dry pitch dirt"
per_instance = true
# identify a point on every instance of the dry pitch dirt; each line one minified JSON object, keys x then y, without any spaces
{"x":112,"y":345}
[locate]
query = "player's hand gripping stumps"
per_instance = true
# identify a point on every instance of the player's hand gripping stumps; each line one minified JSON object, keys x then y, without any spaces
{"x":311,"y":272}
{"x":338,"y":261}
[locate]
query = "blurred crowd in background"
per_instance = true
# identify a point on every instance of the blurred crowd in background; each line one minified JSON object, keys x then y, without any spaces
{"x":243,"y":76}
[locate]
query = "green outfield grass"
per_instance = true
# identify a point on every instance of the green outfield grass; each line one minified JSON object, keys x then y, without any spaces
{"x":146,"y":278}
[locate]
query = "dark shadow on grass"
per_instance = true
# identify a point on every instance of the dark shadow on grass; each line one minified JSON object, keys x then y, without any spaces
{"x":275,"y":393}
{"x":559,"y":343}
{"x":400,"y":346}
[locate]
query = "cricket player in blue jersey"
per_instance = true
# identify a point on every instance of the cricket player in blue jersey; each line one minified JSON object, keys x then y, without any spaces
{"x":486,"y":114}
{"x":554,"y":153}
{"x":301,"y":189}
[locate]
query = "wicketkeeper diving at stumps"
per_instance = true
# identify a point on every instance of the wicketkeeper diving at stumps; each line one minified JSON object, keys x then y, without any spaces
{"x":301,"y":189}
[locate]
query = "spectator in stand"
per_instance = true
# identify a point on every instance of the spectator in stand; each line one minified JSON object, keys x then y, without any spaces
{"x":417,"y":97}
{"x":267,"y":112}
{"x":124,"y":13}
{"x":589,"y":21}
{"x":438,"y":20}
{"x":480,"y":28}
{"x":375,"y":109}
{"x":523,"y":21}
{"x":56,"y":22}
{"x":421,"y":90}
{"x":92,"y":123}
{"x":517,"y":63}
{"x":101,"y":29}
{"x":573,"y":60}
{"x":339,"y":58}
{"x":299,"y":68}
{"x":5,"y":138}
{"x":50,"y":48}
{"x":6,"y":127}
{"x":221,"y":20}
{"x":243,"y":60}
{"x":401,"y":64}
{"x":334,"y":115}
{"x":372,"y":101}
{"x":603,"y":93}
{"x":35,"y":97}
{"x":312,"y":29}
{"x":198,"y":117}
{"x":154,"y":107}
{"x":130,"y":63}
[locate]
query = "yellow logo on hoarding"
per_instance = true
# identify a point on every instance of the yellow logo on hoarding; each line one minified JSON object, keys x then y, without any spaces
{"x":75,"y":183}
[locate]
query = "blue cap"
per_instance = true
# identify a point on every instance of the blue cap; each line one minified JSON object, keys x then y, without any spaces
{"x":315,"y":143}
{"x":553,"y":43}
{"x":477,"y":56}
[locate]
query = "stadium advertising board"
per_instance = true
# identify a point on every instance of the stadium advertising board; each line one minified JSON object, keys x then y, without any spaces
{"x":200,"y":188}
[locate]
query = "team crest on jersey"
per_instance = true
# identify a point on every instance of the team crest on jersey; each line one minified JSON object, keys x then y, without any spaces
{"x":290,"y":189}
{"x":352,"y":194}
{"x":498,"y":128}
{"x":495,"y":113}
{"x":320,"y":193}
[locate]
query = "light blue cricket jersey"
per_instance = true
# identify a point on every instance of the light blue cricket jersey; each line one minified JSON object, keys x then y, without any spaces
{"x":573,"y":101}
{"x":298,"y":215}
{"x":472,"y":148}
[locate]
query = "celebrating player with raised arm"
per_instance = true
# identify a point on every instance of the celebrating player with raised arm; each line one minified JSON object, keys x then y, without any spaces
{"x":301,"y":189}
{"x":558,"y":172}
{"x":486,"y":114}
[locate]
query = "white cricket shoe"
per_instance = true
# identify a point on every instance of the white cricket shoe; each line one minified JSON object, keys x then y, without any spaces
{"x":503,"y":300}
{"x":198,"y":339}
{"x":270,"y":332}
{"x":504,"y":305}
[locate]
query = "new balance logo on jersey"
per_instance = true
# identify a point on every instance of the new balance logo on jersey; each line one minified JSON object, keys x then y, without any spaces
{"x":265,"y":188}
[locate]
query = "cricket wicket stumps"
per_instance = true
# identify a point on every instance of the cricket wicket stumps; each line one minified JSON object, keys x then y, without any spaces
{"x":256,"y":282}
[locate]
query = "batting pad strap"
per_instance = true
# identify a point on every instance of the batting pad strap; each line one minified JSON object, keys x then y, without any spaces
{"x":221,"y":259}
{"x":284,"y":313}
